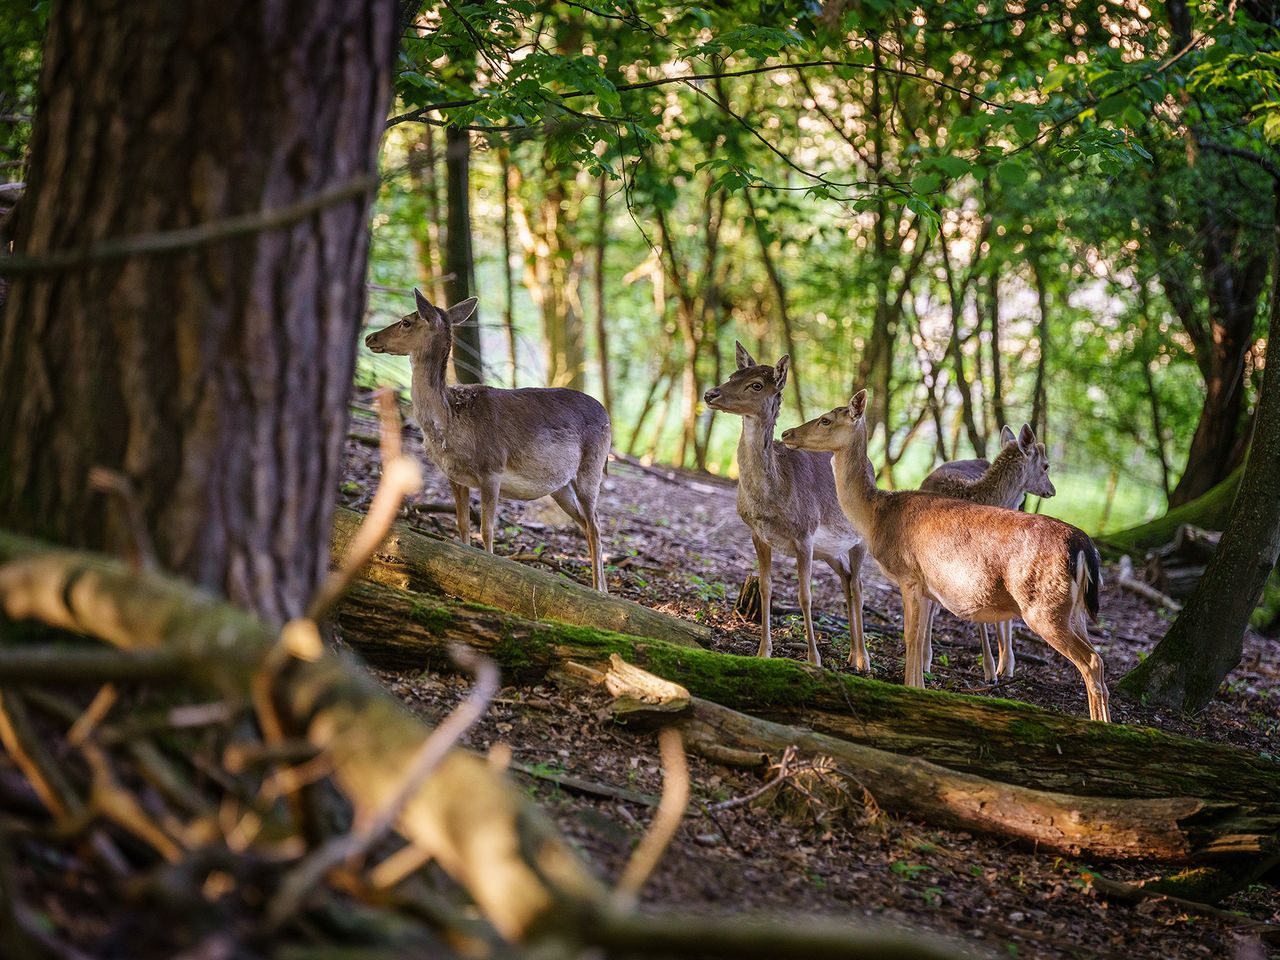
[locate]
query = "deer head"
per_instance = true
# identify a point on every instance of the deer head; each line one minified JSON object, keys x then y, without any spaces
{"x":754,"y":389}
{"x":1035,"y":466}
{"x":425,"y":333}
{"x":833,"y":431}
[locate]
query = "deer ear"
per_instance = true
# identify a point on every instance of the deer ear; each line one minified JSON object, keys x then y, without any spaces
{"x":460,"y":312}
{"x":1007,"y":436}
{"x":1027,"y":439}
{"x":780,"y":371}
{"x":858,"y":405}
{"x":425,"y":310}
{"x":744,"y":359}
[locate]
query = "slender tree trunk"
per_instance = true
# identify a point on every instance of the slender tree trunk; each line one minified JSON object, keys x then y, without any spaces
{"x":976,"y":440}
{"x":997,"y":374}
{"x":1153,"y":397}
{"x":459,"y":261}
{"x":602,"y":339}
{"x":1205,"y":643}
{"x":508,"y":282}
{"x":216,"y":379}
{"x":424,"y":177}
{"x":780,"y":293}
{"x":1039,"y":398}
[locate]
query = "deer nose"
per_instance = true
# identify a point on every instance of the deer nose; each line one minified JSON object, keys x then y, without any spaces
{"x":788,"y":433}
{"x":711,"y":395}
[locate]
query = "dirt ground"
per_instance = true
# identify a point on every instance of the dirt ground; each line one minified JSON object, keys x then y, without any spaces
{"x":675,"y":542}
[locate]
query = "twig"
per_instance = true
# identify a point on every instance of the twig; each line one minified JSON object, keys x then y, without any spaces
{"x":300,"y":881}
{"x":88,"y":721}
{"x":117,"y":484}
{"x":1132,"y":893}
{"x":187,"y":238}
{"x":20,"y":740}
{"x":576,"y":784}
{"x":785,"y":769}
{"x":1128,"y":581}
{"x":69,"y":663}
{"x":671,"y":810}
{"x":114,"y":802}
{"x":401,"y":476}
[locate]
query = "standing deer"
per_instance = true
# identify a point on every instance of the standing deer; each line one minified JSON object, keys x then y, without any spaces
{"x":787,"y":499}
{"x":982,"y":563}
{"x":1021,"y":467}
{"x":519,"y":444}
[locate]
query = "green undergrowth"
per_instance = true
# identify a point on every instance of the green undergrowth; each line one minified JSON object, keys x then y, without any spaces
{"x":1210,"y":511}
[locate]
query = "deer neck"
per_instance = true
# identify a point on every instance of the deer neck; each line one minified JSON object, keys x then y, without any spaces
{"x":757,"y":459}
{"x":856,"y":484}
{"x":1002,"y":485}
{"x":430,"y":394}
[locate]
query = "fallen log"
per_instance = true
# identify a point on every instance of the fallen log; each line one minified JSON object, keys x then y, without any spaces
{"x":1167,"y":829}
{"x":412,"y":561}
{"x":997,"y":739}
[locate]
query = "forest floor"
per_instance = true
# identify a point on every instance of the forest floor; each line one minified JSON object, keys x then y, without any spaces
{"x":674,"y":542}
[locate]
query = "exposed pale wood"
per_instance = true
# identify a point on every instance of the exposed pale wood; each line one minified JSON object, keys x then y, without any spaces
{"x":413,"y":561}
{"x":1171,"y":829}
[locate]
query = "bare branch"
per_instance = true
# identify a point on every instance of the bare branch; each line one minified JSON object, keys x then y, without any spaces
{"x":671,"y":810}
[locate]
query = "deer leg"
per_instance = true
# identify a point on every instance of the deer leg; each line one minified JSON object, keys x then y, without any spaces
{"x":488,"y":509}
{"x":928,"y":610}
{"x":462,"y":511}
{"x":913,"y":635}
{"x":1004,"y":640}
{"x":1072,"y":642}
{"x":988,"y":662}
{"x":851,"y":584}
{"x":569,"y":501}
{"x":804,"y":570}
{"x":764,"y":560}
{"x":591,"y":527}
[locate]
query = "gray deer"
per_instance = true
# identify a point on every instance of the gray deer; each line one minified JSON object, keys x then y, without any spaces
{"x":787,"y":498}
{"x":1021,"y":467}
{"x":518,"y":444}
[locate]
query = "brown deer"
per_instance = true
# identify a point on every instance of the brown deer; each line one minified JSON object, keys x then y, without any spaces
{"x":1021,"y":467}
{"x":982,"y":563}
{"x":519,"y":444}
{"x":787,"y":498}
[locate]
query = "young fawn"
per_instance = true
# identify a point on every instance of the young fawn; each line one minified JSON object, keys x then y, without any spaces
{"x":787,"y":498}
{"x":519,"y":444}
{"x":982,"y":563}
{"x":1021,"y":467}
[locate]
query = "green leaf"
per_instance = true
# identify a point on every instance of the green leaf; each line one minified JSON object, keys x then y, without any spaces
{"x":953,"y":166}
{"x":1011,"y":173}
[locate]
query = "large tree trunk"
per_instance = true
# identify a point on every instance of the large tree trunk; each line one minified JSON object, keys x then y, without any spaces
{"x":459,"y":262}
{"x":215,"y":379}
{"x":1206,"y":641}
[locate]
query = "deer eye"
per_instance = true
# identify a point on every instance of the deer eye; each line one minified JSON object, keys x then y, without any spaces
{"x":406,"y":323}
{"x":757,"y":385}
{"x":825,"y":421}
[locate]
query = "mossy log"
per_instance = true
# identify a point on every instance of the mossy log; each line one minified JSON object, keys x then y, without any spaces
{"x":997,"y":739}
{"x":1209,"y":510}
{"x":412,"y":561}
{"x":1165,"y":829}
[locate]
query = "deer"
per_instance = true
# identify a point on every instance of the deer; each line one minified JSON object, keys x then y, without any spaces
{"x":982,"y":563}
{"x":1021,"y":467}
{"x":787,"y":499}
{"x":516,"y":444}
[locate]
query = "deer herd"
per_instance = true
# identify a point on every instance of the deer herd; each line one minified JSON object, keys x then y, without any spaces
{"x":959,"y":542}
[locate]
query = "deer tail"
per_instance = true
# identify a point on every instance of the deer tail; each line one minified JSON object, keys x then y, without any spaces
{"x":1083,"y":564}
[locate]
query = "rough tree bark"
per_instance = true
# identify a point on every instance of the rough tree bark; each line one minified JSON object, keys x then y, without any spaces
{"x":459,"y":261}
{"x":215,"y":379}
{"x":1206,"y":641}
